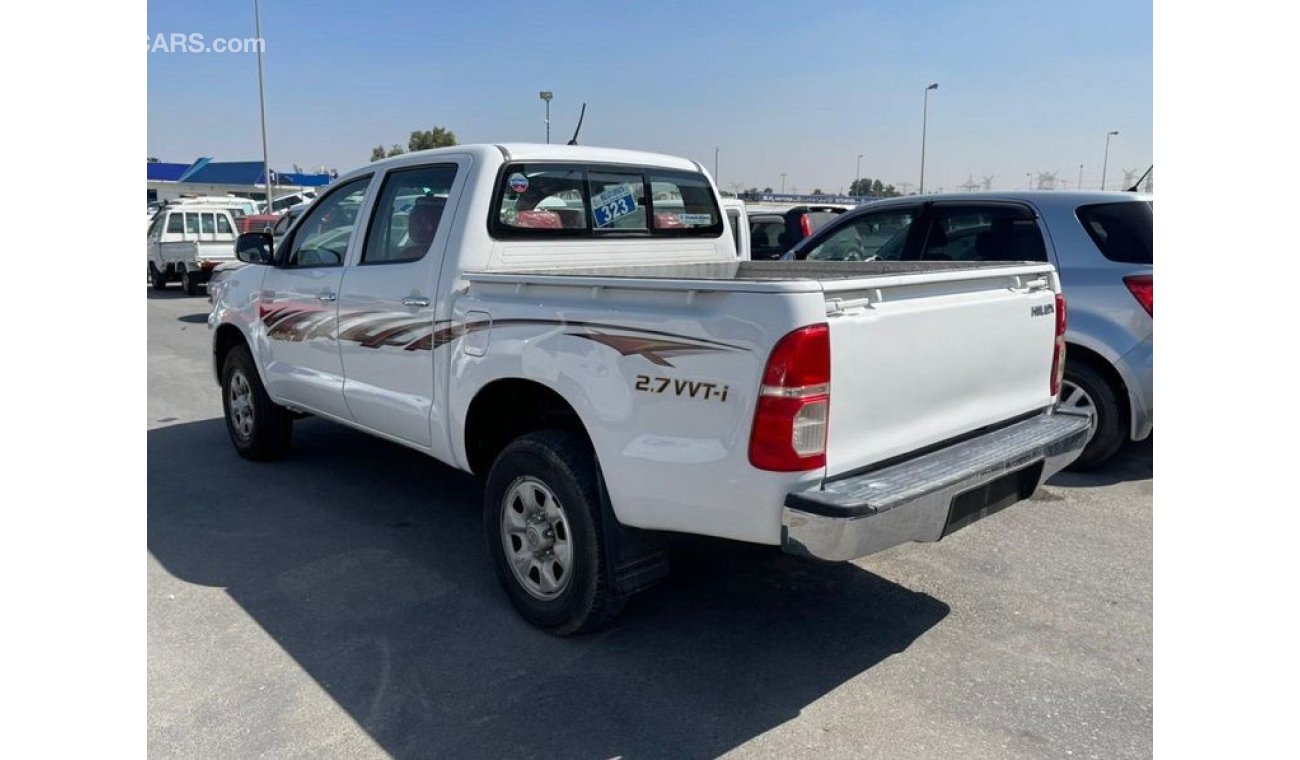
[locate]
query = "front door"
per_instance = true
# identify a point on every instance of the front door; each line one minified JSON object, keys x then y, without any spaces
{"x":389,"y":299}
{"x":298,"y":305}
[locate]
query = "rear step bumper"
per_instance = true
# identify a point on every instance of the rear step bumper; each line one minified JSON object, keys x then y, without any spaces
{"x":926,"y":498}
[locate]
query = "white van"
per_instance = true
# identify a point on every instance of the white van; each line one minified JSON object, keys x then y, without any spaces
{"x":187,"y":242}
{"x":738,"y":219}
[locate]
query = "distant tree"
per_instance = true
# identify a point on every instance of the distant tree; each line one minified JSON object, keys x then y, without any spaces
{"x":377,"y":153}
{"x":154,"y":160}
{"x":751,"y":191}
{"x":438,"y":137}
{"x":396,"y":150}
{"x":874,"y":187}
{"x":767,"y":189}
{"x":817,"y":191}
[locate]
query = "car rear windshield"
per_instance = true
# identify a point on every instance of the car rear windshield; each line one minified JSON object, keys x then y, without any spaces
{"x":1122,"y":231}
{"x":548,"y":200}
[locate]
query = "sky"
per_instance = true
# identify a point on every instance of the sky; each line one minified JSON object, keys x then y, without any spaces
{"x":776,"y":87}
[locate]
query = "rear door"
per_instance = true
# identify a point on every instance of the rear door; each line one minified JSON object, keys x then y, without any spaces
{"x":298,"y":305}
{"x":982,"y":231}
{"x":389,"y":298}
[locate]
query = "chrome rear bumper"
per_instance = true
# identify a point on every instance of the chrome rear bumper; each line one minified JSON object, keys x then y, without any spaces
{"x":915,"y":500}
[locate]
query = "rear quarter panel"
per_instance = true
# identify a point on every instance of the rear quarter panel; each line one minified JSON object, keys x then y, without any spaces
{"x":673,"y":459}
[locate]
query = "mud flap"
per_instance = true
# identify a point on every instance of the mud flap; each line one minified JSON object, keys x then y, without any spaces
{"x":635,"y":559}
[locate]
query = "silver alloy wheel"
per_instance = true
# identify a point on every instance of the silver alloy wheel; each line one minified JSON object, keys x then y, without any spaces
{"x":241,"y":405}
{"x":1075,"y":398}
{"x":536,"y":538}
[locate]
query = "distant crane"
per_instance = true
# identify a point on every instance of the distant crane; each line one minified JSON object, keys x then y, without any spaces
{"x":1048,"y":180}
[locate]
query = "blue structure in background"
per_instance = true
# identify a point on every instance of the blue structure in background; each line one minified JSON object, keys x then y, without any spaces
{"x":207,"y":171}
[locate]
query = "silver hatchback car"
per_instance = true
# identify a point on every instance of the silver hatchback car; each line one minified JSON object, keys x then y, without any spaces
{"x":1100,"y":242}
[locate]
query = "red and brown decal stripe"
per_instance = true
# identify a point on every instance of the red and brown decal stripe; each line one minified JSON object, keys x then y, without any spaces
{"x":398,"y":330}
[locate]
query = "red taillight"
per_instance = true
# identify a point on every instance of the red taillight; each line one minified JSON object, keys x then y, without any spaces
{"x":805,"y":224}
{"x":1058,"y":352}
{"x":1140,"y":286}
{"x":793,"y":410}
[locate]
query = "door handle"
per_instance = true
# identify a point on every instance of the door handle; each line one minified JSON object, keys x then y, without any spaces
{"x":326,"y":296}
{"x":415,"y":302}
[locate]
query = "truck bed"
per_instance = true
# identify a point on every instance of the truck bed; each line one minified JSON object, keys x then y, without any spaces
{"x":759,"y":270}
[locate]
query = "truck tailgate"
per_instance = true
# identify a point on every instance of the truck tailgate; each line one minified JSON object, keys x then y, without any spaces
{"x":921,"y":359}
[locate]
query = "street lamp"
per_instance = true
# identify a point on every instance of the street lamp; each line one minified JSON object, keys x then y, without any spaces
{"x":1106,"y":158}
{"x":1029,"y":177}
{"x":261,"y":101}
{"x":783,"y":183}
{"x":925,"y":113}
{"x":857,"y":179}
{"x":716,"y":150}
{"x":1080,"y":176}
{"x":547,"y":95}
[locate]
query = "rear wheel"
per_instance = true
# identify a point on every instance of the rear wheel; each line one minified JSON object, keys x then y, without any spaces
{"x":259,"y":428}
{"x":157,"y":278}
{"x":1085,"y":389}
{"x":190,"y":283}
{"x":541,"y":513}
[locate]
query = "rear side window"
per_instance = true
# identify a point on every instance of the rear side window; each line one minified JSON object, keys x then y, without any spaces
{"x":175,"y":223}
{"x":733,"y":218}
{"x":988,"y":233}
{"x":410,"y":210}
{"x":1121,"y":231}
{"x":209,"y":223}
{"x":544,"y":200}
{"x":223,"y":224}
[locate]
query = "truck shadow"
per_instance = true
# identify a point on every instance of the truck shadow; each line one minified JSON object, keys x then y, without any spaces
{"x":1131,"y":463}
{"x":365,"y":562}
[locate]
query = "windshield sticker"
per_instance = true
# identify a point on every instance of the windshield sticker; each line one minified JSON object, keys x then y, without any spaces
{"x":518,"y":183}
{"x":696,"y":220}
{"x":615,"y":203}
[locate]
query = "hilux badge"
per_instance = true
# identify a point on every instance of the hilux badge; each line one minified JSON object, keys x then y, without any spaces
{"x":1042,"y":311}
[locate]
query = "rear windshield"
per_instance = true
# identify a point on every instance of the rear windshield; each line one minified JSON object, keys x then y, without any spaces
{"x":1122,"y":231}
{"x":545,"y":200}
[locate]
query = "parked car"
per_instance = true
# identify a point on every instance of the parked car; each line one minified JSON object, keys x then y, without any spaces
{"x":188,"y":241}
{"x":775,"y":230}
{"x":1101,"y":244}
{"x":620,"y":374}
{"x":738,"y":221}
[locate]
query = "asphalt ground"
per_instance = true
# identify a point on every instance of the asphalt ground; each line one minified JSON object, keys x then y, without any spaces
{"x":341,"y":603}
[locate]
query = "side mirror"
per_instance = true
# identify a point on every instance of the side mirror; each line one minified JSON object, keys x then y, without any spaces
{"x":254,"y":248}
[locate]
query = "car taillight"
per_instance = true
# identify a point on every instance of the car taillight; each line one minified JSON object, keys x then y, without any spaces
{"x":805,"y":225}
{"x":1058,"y":353}
{"x":793,"y":410}
{"x":1140,"y":286}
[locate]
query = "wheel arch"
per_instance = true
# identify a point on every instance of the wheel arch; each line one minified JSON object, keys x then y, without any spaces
{"x":507,"y":408}
{"x":1078,"y":352}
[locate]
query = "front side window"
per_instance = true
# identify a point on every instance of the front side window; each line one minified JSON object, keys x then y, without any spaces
{"x":1121,"y":231}
{"x":209,"y":223}
{"x":879,"y":236}
{"x":410,"y":209}
{"x":322,"y":238}
{"x":992,"y":233}
{"x":223,"y":224}
{"x":191,"y":223}
{"x":578,"y":200}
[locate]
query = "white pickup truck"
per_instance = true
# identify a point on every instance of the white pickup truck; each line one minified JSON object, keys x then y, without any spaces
{"x":188,"y":241}
{"x":532,"y":314}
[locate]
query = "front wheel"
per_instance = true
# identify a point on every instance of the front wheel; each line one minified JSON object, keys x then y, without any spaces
{"x":542,"y":516}
{"x":259,"y":428}
{"x":157,"y":278}
{"x":1085,"y":389}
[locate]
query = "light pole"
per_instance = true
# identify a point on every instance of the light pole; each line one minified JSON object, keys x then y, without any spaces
{"x":1080,"y":176}
{"x":783,"y":183}
{"x":1106,"y":158}
{"x":261,"y":102}
{"x":857,"y":179}
{"x":547,"y":95}
{"x":925,"y":114}
{"x":716,"y":150}
{"x":1029,"y":177}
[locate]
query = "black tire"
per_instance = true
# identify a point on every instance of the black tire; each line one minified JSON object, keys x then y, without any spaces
{"x":189,"y":283}
{"x":157,"y":278}
{"x":565,"y":465}
{"x":268,"y":431}
{"x":1111,"y":421}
